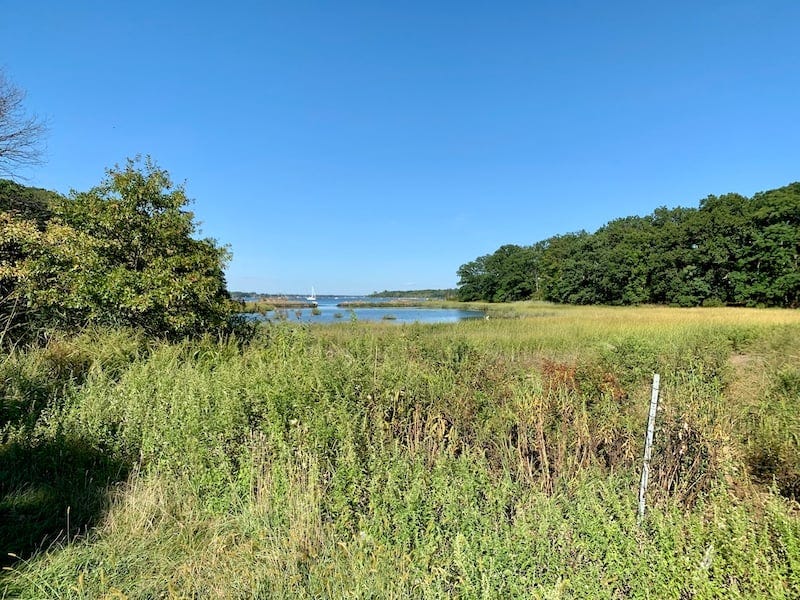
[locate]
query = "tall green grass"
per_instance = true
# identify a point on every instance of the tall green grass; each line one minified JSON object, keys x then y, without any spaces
{"x":495,"y":458}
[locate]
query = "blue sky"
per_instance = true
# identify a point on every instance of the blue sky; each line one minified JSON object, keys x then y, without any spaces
{"x":362,"y":146}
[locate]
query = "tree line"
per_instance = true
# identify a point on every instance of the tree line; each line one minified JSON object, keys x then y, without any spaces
{"x":731,"y":250}
{"x":435,"y":294}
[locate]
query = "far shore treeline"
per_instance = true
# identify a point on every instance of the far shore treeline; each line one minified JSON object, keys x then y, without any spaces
{"x":430,"y":294}
{"x":446,"y":294}
{"x":731,"y":250}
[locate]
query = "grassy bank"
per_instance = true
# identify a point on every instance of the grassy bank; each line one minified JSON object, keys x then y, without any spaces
{"x":493,"y":458}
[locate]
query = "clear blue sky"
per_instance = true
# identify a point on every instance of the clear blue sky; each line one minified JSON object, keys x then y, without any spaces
{"x":360,"y":146}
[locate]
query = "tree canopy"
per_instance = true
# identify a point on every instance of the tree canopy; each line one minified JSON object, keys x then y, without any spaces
{"x":730,"y":250}
{"x":123,"y":253}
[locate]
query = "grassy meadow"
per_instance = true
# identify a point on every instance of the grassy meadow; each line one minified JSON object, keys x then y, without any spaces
{"x":495,"y":458}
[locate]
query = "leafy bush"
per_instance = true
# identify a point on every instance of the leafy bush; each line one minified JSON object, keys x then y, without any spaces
{"x":121,"y":254}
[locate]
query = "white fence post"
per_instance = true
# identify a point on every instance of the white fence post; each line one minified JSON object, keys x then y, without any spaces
{"x":648,"y":444}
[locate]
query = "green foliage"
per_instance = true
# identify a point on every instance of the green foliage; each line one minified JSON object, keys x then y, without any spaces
{"x":121,"y":254}
{"x":31,"y":204}
{"x":507,"y":275}
{"x":730,"y":250}
{"x":424,"y":461}
{"x":54,"y":487}
{"x":24,"y":212}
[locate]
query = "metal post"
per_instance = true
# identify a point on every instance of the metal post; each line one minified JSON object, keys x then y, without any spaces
{"x":648,"y":444}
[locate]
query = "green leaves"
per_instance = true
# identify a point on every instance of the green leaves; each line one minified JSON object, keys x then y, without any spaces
{"x":507,"y":275}
{"x":121,"y":253}
{"x":730,"y":250}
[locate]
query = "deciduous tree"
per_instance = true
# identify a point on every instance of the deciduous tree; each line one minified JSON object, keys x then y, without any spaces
{"x":123,"y":253}
{"x":20,"y":133}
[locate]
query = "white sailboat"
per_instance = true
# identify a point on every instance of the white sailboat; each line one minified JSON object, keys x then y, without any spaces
{"x":313,"y":296}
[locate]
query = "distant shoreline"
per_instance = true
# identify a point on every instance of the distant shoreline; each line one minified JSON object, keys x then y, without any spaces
{"x":398,"y":303}
{"x":269,"y":304}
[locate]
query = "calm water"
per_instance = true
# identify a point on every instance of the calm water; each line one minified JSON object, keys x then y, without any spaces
{"x":331,"y":313}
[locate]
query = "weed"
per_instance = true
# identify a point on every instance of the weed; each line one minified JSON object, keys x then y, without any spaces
{"x":481,"y":459}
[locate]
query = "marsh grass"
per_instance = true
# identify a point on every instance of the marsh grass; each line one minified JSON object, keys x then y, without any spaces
{"x":490,"y":458}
